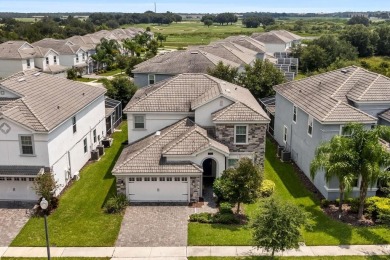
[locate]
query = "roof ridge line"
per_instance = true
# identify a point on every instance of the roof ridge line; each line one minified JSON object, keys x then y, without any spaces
{"x":372,"y":83}
{"x":353,"y":73}
{"x":182,"y":137}
{"x":33,"y":113}
{"x":333,"y":108}
{"x":226,"y":109}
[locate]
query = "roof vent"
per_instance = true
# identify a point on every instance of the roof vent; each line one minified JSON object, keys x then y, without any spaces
{"x":227,"y":90}
{"x":158,"y":133}
{"x":37,"y":74}
{"x":58,"y":107}
{"x":344,"y":71}
{"x":21,"y":79}
{"x":194,"y":52}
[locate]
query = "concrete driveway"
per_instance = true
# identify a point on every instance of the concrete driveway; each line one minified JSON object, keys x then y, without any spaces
{"x":11,"y":222}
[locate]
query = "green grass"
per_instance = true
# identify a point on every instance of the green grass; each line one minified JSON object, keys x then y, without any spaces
{"x":196,"y":33}
{"x":372,"y":257}
{"x":325,"y":231}
{"x":110,"y":73}
{"x":85,"y":79}
{"x":79,"y":219}
{"x":374,"y":61}
{"x":55,"y":258}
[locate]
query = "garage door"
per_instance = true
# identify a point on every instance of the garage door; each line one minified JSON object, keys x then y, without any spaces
{"x":17,"y":188}
{"x":158,"y":189}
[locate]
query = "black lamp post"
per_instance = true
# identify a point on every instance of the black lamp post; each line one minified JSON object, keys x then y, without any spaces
{"x":44,"y":204}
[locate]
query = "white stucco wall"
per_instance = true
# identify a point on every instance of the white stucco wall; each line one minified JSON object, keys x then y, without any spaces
{"x":9,"y":67}
{"x":275,"y":47}
{"x":203,"y":114}
{"x":153,"y":122}
{"x":41,"y":62}
{"x":6,"y":94}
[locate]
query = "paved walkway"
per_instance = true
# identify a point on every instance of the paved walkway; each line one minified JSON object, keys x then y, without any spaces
{"x":178,"y":253}
{"x":11,"y":222}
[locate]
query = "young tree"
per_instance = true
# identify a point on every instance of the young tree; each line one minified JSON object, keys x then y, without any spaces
{"x":260,"y":78}
{"x":45,"y":186}
{"x":224,"y":72}
{"x":251,"y":22}
{"x":313,"y":58}
{"x":336,"y":157}
{"x":277,"y":226}
{"x":241,"y":184}
{"x":208,"y":23}
{"x":161,"y":37}
{"x":120,"y":88}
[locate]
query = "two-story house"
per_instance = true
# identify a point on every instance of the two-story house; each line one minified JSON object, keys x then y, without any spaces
{"x":47,"y":124}
{"x":277,"y":41}
{"x":48,"y":61}
{"x":16,"y":56}
{"x":313,"y":110}
{"x":184,"y":132}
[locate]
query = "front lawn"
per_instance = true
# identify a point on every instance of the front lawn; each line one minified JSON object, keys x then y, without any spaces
{"x":79,"y":219}
{"x":326,"y":231}
{"x":85,"y":79}
{"x":110,"y":73}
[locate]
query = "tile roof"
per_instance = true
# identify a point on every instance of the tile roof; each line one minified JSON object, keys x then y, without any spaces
{"x":55,"y":68}
{"x":13,"y":170}
{"x":45,"y":100}
{"x":280,"y":36}
{"x":325,"y":96}
{"x":42,"y":52}
{"x":385,"y":115}
{"x":193,"y":141}
{"x":247,"y":42}
{"x":191,"y":61}
{"x":63,"y":47}
{"x":144,"y":156}
{"x":16,"y":50}
{"x":239,"y":112}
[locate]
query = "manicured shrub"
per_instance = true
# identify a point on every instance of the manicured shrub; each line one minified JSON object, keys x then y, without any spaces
{"x":379,"y":209}
{"x":267,"y":188}
{"x":226,"y":218}
{"x":325,"y":203}
{"x":116,"y":204}
{"x":225,"y":208}
{"x":202,"y":217}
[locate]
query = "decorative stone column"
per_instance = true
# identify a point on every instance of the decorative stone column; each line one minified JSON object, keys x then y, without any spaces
{"x":121,"y":185}
{"x":194,"y":188}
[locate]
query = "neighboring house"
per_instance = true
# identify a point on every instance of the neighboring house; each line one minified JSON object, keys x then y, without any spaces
{"x":170,"y":64}
{"x":277,"y":41}
{"x":88,"y":42}
{"x":16,"y":56}
{"x":47,"y":124}
{"x":48,"y":61}
{"x":71,"y":55}
{"x":313,"y":110}
{"x":183,"y":133}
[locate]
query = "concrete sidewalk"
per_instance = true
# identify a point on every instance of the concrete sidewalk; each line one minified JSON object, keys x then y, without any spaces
{"x":181,"y":253}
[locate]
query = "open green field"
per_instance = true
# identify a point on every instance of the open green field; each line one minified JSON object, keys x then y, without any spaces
{"x":196,"y":33}
{"x":325,"y":231}
{"x":28,"y":19}
{"x":79,"y":220}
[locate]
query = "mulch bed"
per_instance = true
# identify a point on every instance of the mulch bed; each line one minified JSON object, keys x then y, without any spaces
{"x":347,"y":216}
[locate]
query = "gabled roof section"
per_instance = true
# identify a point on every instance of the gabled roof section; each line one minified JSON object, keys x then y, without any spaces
{"x":46,"y":101}
{"x":279,"y":36}
{"x":193,"y":61}
{"x":16,"y":50}
{"x":42,"y":52}
{"x":247,"y":42}
{"x":239,"y":112}
{"x":325,"y":96}
{"x":193,"y":141}
{"x":63,"y":47}
{"x":385,"y":115}
{"x":144,"y":156}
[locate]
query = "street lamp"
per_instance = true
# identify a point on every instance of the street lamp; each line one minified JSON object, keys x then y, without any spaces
{"x":44,"y":204}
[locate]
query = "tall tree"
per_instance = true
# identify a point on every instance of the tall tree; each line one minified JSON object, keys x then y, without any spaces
{"x":277,"y":226}
{"x":132,"y":46}
{"x":260,"y":78}
{"x":224,"y":72}
{"x":106,"y":51}
{"x":363,"y":38}
{"x":313,"y":57}
{"x":336,"y":157}
{"x":120,"y":88}
{"x":359,"y":19}
{"x":383,"y":47}
{"x":241,"y":184}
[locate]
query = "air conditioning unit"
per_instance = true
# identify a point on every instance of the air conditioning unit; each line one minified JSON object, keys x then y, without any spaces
{"x":279,"y":150}
{"x":286,"y":156}
{"x":76,"y":176}
{"x":107,"y":142}
{"x":94,"y":155}
{"x":100,"y":148}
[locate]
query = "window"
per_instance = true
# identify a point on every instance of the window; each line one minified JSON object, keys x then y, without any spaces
{"x":294,"y":114}
{"x":55,"y":59}
{"x":154,"y":178}
{"x":28,"y":63}
{"x":355,"y":182}
{"x":139,"y":122}
{"x":74,"y":124}
{"x":9,"y":179}
{"x":23,"y":179}
{"x":177,"y":178}
{"x":16,"y":179}
{"x":77,"y":58}
{"x":85,"y":145}
{"x":26,"y":144}
{"x":183,"y":178}
{"x":138,"y":179}
{"x":241,"y":134}
{"x":131,"y":179}
{"x":169,"y":178}
{"x":83,"y":56}
{"x":285,"y":134}
{"x":232,"y":163}
{"x":47,"y":60}
{"x":151,"y":79}
{"x":162,"y":178}
{"x":94,"y":136}
{"x":310,"y":126}
{"x":2,"y":179}
{"x":146,"y":179}
{"x":31,"y":179}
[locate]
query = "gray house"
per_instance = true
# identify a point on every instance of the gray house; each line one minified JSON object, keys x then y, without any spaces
{"x":313,"y":110}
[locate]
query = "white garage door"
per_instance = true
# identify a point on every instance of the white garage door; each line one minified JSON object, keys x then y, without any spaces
{"x":158,"y":189}
{"x":17,"y":188}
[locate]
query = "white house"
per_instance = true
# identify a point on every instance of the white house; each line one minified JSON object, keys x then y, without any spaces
{"x":47,"y":123}
{"x":183,"y":133}
{"x":16,"y":56}
{"x":48,"y":61}
{"x":277,"y":41}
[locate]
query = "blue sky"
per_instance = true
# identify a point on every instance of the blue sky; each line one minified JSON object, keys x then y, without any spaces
{"x":202,"y":6}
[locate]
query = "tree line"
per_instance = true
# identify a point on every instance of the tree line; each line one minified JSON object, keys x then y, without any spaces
{"x":222,"y":18}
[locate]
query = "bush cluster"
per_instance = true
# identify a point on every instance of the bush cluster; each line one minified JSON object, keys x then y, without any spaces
{"x":379,"y":208}
{"x":116,"y":204}
{"x":209,"y":218}
{"x":267,"y":188}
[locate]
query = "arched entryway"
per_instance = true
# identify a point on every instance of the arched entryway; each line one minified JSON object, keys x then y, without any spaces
{"x":209,"y":171}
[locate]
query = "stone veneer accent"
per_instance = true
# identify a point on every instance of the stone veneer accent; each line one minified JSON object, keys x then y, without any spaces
{"x":194,"y":188}
{"x":121,"y":185}
{"x":256,"y":140}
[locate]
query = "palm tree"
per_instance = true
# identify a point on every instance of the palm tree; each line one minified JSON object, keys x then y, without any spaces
{"x":372,"y":158}
{"x":336,"y":157}
{"x":132,"y":46}
{"x":106,"y":51}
